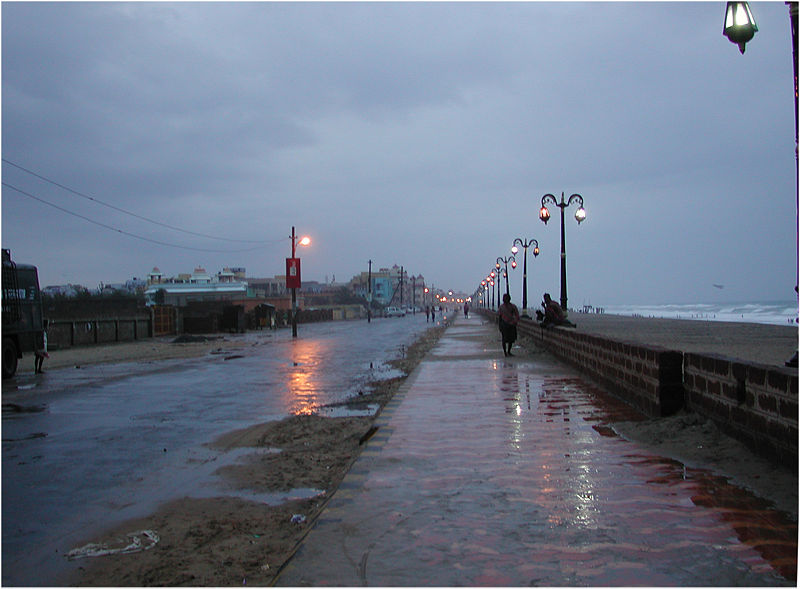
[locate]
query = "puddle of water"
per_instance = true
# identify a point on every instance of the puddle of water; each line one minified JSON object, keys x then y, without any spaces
{"x":348,"y":410}
{"x":754,"y":521}
{"x":273,"y":498}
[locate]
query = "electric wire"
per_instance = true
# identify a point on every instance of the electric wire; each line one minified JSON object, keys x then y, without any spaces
{"x":129,"y":234}
{"x":98,"y":201}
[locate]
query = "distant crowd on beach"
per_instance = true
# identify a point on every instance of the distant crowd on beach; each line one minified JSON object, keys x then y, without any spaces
{"x":590,"y":309}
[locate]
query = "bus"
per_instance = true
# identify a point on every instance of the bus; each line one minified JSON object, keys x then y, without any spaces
{"x":23,"y":330}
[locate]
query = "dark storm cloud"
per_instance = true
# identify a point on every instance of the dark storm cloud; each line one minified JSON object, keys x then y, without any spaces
{"x":411,"y":133}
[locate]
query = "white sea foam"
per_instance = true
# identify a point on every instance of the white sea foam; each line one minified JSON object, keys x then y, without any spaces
{"x":775,"y":313}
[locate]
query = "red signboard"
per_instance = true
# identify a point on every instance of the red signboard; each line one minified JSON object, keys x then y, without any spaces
{"x":292,"y":272}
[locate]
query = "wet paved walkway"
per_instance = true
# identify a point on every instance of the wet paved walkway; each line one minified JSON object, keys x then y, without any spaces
{"x":494,"y":471}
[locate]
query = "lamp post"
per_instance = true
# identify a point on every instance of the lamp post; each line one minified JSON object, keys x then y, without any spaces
{"x":293,"y":276}
{"x":514,"y":249}
{"x":740,"y":27}
{"x":580,"y":215}
{"x":501,"y":260}
{"x":490,"y":280}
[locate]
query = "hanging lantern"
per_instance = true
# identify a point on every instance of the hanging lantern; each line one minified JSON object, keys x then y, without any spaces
{"x":740,"y":26}
{"x":544,"y":215}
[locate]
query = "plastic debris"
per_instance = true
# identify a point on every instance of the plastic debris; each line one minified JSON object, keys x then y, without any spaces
{"x":298,"y":518}
{"x":137,"y":541}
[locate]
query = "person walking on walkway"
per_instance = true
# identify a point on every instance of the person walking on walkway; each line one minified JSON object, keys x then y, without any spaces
{"x":507,"y":319}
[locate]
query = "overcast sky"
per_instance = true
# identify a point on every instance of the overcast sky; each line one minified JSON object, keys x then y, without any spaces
{"x":416,"y":134}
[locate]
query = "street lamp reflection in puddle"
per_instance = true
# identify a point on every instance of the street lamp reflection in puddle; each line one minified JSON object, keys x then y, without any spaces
{"x":303,"y":378}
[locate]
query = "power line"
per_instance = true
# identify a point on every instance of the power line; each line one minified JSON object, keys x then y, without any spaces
{"x":98,"y":201}
{"x":109,"y":227}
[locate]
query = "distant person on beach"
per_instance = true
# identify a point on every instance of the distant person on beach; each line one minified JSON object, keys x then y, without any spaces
{"x":466,"y":310}
{"x":507,"y":319}
{"x":553,"y":313}
{"x":41,"y":350}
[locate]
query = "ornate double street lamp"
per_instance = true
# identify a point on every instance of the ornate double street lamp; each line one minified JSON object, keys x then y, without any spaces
{"x":505,"y":261}
{"x":514,"y":249}
{"x":293,"y":276}
{"x":490,"y":280}
{"x":580,"y":215}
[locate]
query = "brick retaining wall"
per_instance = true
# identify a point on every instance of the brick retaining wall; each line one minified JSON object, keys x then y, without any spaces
{"x":647,"y":377}
{"x":754,"y":403}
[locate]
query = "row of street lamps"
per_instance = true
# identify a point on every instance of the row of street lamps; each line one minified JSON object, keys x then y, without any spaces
{"x":544,"y":215}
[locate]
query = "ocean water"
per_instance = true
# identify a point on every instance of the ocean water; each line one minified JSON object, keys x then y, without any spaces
{"x":773,"y":312}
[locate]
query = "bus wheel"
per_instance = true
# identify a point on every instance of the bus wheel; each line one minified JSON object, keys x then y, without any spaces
{"x":9,"y":357}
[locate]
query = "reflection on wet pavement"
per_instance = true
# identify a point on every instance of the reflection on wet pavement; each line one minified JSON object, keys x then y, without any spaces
{"x":508,"y":472}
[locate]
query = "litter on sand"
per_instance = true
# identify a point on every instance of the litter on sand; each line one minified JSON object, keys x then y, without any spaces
{"x":136,"y":541}
{"x":298,"y":518}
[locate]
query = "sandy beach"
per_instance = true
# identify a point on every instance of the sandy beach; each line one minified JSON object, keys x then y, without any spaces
{"x":752,"y":342}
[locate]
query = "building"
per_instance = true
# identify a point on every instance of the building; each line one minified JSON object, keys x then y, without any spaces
{"x":390,"y":286}
{"x":199,"y":286}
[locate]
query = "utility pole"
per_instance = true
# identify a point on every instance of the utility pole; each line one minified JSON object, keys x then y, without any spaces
{"x":369,"y":294}
{"x":294,"y":293}
{"x":401,"y":286}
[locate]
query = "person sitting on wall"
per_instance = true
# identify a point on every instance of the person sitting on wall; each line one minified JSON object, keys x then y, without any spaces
{"x":553,"y":314}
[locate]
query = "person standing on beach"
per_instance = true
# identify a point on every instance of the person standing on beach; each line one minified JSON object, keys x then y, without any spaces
{"x":507,"y":319}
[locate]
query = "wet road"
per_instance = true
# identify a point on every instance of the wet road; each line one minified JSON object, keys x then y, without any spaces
{"x":94,"y":447}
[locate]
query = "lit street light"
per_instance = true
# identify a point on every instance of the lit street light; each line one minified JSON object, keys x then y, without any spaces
{"x":580,"y":215}
{"x":293,"y":276}
{"x":740,"y":26}
{"x":514,"y":249}
{"x":505,"y":261}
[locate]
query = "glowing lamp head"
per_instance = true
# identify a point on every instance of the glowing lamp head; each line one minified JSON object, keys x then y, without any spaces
{"x":497,"y":265}
{"x":514,"y":250}
{"x":544,"y":215}
{"x":535,"y":252}
{"x":580,"y":215}
{"x":740,"y":26}
{"x":304,"y":241}
{"x":513,"y":263}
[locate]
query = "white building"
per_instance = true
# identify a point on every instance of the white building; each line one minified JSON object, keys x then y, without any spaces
{"x":199,"y":286}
